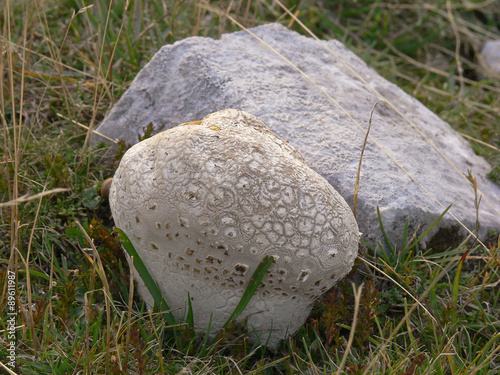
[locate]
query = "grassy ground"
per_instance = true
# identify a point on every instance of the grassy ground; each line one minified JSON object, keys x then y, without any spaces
{"x":63,"y":65}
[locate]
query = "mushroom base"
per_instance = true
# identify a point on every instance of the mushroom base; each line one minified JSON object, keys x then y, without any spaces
{"x":260,"y":315}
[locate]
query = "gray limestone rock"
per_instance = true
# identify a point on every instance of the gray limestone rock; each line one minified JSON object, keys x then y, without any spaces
{"x":414,"y":164}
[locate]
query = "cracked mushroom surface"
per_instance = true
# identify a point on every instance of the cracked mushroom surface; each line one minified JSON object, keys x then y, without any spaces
{"x":204,"y":202}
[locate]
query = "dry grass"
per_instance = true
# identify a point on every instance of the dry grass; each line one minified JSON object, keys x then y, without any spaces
{"x":65,"y":63}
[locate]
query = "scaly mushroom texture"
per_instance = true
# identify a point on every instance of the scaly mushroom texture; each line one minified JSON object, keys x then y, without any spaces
{"x":204,"y":202}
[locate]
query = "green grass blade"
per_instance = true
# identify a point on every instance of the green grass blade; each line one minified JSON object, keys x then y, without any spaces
{"x":146,"y":276}
{"x":190,"y":315}
{"x":60,"y":272}
{"x":367,"y":245}
{"x":251,"y":288}
{"x":406,"y":253}
{"x":482,"y":354}
{"x":405,"y":233}
{"x":34,"y":273}
{"x":456,"y":284}
{"x":430,"y":228}
{"x":383,"y":254}
{"x":386,"y":238}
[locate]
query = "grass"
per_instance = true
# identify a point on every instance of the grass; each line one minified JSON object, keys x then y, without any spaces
{"x":433,"y":311}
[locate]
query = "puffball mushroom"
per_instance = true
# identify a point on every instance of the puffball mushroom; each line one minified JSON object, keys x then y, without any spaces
{"x":204,"y":202}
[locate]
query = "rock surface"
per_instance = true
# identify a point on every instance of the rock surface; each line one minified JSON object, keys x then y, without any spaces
{"x":489,"y":58}
{"x":414,"y":164}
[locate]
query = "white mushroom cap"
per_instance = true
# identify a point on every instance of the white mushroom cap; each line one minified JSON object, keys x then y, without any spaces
{"x":204,"y":202}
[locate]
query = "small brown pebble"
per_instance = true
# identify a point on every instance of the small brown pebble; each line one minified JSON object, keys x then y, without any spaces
{"x":106,"y":185}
